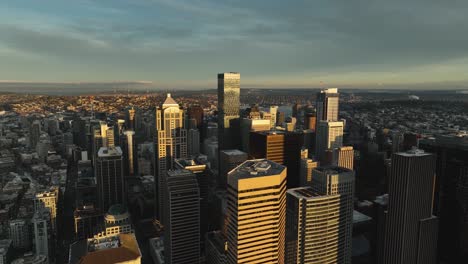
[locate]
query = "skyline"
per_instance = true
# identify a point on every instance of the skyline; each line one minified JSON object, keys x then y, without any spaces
{"x":182,"y":44}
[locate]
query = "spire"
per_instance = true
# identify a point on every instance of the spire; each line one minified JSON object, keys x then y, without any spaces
{"x":170,"y":102}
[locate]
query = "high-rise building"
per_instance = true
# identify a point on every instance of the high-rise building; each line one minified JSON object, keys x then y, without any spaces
{"x":117,"y":221}
{"x":310,"y":119}
{"x":273,"y":115}
{"x":345,"y":157}
{"x":182,"y":217}
{"x":411,"y":228}
{"x":198,"y":165}
{"x":229,"y":159}
{"x":280,"y":118}
{"x":171,"y":144}
{"x":451,"y":192}
{"x":193,"y":142}
{"x":48,"y":199}
{"x":313,"y":227}
{"x":196,"y":113}
{"x":228,"y":107}
{"x":216,"y":248}
{"x":20,"y":233}
{"x":132,"y":118}
{"x":109,"y":176}
{"x":42,"y":233}
{"x":248,"y":125}
{"x":130,"y":153}
{"x":281,"y":147}
{"x":307,"y":166}
{"x":89,"y":221}
{"x":34,"y":133}
{"x":256,"y":212}
{"x":327,"y":105}
{"x":329,"y":136}
{"x":334,"y":180}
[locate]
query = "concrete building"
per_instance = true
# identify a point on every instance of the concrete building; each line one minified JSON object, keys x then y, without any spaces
{"x":89,"y":221}
{"x":193,"y":142}
{"x":255,"y":215}
{"x":411,"y":228}
{"x":130,"y":153}
{"x":327,"y":105}
{"x":117,"y":221}
{"x":307,"y":166}
{"x":48,"y":199}
{"x":281,"y":147}
{"x":345,"y":157}
{"x":109,"y":176}
{"x":215,"y":248}
{"x":182,"y":217}
{"x":171,"y":143}
{"x":329,"y":136}
{"x":228,"y":107}
{"x":122,"y":248}
{"x":156,"y":246}
{"x":248,"y":125}
{"x":20,"y":233}
{"x":43,"y":239}
{"x":229,"y":159}
{"x":313,"y":227}
{"x":6,"y":251}
{"x":338,"y":181}
{"x":273,"y":114}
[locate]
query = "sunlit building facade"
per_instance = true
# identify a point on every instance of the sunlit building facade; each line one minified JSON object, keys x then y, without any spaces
{"x":228,"y":106}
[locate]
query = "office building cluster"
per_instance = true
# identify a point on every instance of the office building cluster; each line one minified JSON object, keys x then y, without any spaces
{"x":185,"y":182}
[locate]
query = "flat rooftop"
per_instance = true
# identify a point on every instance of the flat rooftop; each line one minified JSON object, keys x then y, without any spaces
{"x":332,"y":169}
{"x":414,"y":153}
{"x":109,"y":152}
{"x":232,"y":152}
{"x":255,"y":168}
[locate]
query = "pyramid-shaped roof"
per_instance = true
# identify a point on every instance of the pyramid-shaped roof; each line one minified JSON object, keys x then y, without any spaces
{"x":170,"y":101}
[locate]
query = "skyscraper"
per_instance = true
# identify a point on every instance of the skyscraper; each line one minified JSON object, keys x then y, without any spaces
{"x":327,"y":105}
{"x":48,"y":199}
{"x":338,"y":181}
{"x":109,"y":176}
{"x":411,"y":229}
{"x":193,"y":142}
{"x":281,"y":147}
{"x":42,"y":233}
{"x":130,"y":153}
{"x":313,"y":227}
{"x":256,"y":211}
{"x":182,"y":217}
{"x":34,"y":133}
{"x":307,"y":166}
{"x":229,"y":159}
{"x":345,"y":157}
{"x":171,"y":143}
{"x":329,"y":136}
{"x":273,"y":113}
{"x":451,"y":192}
{"x":228,"y":106}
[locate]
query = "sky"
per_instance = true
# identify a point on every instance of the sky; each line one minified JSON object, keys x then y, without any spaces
{"x":183,"y":44}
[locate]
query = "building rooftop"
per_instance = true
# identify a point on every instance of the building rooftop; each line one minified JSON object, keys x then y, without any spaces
{"x":415,"y":152}
{"x":359,"y":217}
{"x":170,"y":101}
{"x":117,"y":209}
{"x":332,"y":169}
{"x":116,"y":249}
{"x":109,"y":152}
{"x":232,"y":152}
{"x":255,"y":168}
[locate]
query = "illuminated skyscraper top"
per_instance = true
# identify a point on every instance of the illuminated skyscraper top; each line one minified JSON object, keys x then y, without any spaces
{"x":228,"y":103}
{"x":328,"y":104}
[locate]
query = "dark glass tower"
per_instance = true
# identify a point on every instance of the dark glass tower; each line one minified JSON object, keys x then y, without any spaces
{"x":228,"y":107}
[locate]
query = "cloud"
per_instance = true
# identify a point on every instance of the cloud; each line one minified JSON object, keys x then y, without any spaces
{"x":286,"y":41}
